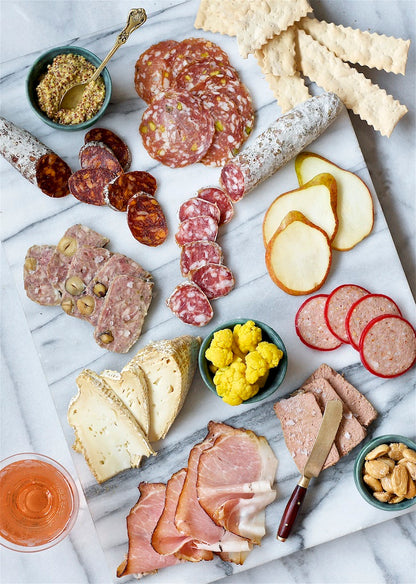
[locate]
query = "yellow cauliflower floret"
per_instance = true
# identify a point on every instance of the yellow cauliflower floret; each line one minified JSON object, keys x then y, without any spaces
{"x":232,"y":385}
{"x":256,"y":366}
{"x":247,"y":336}
{"x":220,"y":352}
{"x":270,"y":353}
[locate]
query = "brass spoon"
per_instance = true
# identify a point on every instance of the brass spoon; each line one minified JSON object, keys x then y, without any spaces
{"x":73,"y":95}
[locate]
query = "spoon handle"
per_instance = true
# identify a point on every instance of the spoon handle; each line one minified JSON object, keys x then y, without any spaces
{"x":136,"y":18}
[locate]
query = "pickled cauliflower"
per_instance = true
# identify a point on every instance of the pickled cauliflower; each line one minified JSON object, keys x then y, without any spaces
{"x":241,"y":361}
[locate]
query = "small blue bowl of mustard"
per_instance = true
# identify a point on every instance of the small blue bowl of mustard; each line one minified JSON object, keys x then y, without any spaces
{"x":40,"y":68}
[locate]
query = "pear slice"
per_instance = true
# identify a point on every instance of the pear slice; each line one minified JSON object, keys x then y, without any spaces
{"x":355,"y":209}
{"x":317,"y":200}
{"x":298,"y":256}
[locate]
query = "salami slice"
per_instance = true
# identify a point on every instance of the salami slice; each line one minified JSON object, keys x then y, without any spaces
{"x":201,"y":228}
{"x":196,"y":254}
{"x":229,"y":130}
{"x":196,"y":206}
{"x":176,"y":129}
{"x":215,"y":280}
{"x":122,"y":315}
{"x":98,"y":155}
{"x":195,"y":49}
{"x":119,"y":191}
{"x":152,"y":70}
{"x":87,"y":185}
{"x":311,"y":326}
{"x":388,"y":346}
{"x":114,"y":142}
{"x":35,"y":276}
{"x":283,"y":140}
{"x":146,"y":220}
{"x":52,"y":175}
{"x":337,"y":306}
{"x":194,"y":76}
{"x":365,"y":309}
{"x":190,"y":304}
{"x":221,"y":199}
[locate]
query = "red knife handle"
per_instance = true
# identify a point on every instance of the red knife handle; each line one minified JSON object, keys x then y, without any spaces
{"x":291,"y":512}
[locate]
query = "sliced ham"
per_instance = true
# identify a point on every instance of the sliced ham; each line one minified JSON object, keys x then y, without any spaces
{"x":166,"y":538}
{"x":234,"y":483}
{"x":142,"y":558}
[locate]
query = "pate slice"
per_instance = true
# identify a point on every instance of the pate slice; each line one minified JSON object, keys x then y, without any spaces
{"x":106,"y":432}
{"x":169,"y":367}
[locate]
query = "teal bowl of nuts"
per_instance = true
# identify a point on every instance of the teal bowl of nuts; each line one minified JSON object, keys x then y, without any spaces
{"x":56,"y":71}
{"x":385,"y":472}
{"x":266,"y":335}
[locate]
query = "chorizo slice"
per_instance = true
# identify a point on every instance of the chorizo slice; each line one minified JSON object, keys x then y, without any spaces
{"x":87,"y":185}
{"x":196,"y":254}
{"x":146,"y":220}
{"x":52,"y":175}
{"x":98,"y":155}
{"x":311,"y":327}
{"x":215,"y":280}
{"x":200,"y":228}
{"x":119,"y":191}
{"x":114,"y":142}
{"x":189,"y":303}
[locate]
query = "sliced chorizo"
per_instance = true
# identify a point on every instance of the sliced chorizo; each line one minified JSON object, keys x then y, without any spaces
{"x":119,"y":191}
{"x":114,"y":142}
{"x":87,"y":185}
{"x":146,"y":220}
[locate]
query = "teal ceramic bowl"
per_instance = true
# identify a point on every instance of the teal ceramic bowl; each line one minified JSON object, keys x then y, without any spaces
{"x":276,"y":375}
{"x":39,"y":67}
{"x":364,"y":489}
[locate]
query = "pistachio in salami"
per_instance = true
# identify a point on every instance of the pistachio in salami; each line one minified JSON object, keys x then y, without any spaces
{"x":283,"y":140}
{"x":146,"y":220}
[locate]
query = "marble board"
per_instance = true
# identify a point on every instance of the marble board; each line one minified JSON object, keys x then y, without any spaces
{"x":66,"y":346}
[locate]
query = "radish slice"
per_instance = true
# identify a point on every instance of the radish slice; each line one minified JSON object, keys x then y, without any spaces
{"x":388,"y":346}
{"x":337,"y":306}
{"x":311,"y":326}
{"x":364,"y":310}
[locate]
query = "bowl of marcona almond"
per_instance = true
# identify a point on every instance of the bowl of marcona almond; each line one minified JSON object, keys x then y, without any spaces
{"x":385,"y":472}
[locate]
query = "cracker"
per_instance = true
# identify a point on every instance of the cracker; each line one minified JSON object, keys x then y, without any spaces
{"x":364,"y":98}
{"x":265,"y":19}
{"x":278,"y":54}
{"x":289,"y":90}
{"x":356,"y":46}
{"x":221,"y":16}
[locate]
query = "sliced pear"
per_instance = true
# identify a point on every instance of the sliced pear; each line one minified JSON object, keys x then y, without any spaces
{"x":355,"y":209}
{"x":298,"y":256}
{"x":317,"y":200}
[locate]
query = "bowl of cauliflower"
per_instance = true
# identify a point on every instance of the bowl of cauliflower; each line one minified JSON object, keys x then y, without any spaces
{"x":243,"y":361}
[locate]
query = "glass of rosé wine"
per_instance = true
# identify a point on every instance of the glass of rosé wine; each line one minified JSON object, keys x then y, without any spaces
{"x":39,"y":502}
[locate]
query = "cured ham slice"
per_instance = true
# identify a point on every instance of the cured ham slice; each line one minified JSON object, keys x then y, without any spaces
{"x":142,"y":558}
{"x":234,"y":482}
{"x":166,"y":538}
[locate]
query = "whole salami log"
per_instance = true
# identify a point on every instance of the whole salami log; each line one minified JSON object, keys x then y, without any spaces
{"x":35,"y":161}
{"x":200,"y":228}
{"x":190,"y":304}
{"x":120,"y":190}
{"x":196,"y":254}
{"x":87,"y":185}
{"x":221,"y":199}
{"x":123,"y":313}
{"x":35,"y":276}
{"x":215,"y":280}
{"x":98,"y":155}
{"x":146,"y":220}
{"x":283,"y":140}
{"x":196,"y":206}
{"x":110,"y":139}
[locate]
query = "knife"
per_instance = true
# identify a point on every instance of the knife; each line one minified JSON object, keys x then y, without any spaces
{"x":326,"y":435}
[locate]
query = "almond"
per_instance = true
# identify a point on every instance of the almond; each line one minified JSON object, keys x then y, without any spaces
{"x":373,"y":483}
{"x":411,"y":489}
{"x":399,"y":480}
{"x":383,"y":497}
{"x":379,"y":450}
{"x":409,"y":454}
{"x":396,"y":450}
{"x":376,"y":468}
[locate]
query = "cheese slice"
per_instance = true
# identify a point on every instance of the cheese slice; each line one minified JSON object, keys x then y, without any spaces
{"x":169,"y":367}
{"x":106,"y":432}
{"x":131,"y":387}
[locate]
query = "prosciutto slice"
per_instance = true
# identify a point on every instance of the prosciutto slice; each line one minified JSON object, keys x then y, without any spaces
{"x":166,"y":538}
{"x":234,"y":482}
{"x":142,"y":558}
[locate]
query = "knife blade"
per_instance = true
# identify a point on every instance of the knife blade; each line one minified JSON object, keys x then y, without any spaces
{"x":320,"y":450}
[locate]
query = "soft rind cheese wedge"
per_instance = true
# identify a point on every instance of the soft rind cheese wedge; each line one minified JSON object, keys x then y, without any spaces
{"x":131,"y":387}
{"x":106,"y":432}
{"x":169,"y":367}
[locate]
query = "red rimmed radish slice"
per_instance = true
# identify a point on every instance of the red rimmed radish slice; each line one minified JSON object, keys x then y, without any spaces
{"x":388,"y":346}
{"x":337,"y":306}
{"x":311,"y":326}
{"x":364,"y":310}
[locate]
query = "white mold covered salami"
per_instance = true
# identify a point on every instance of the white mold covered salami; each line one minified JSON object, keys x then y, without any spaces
{"x":189,"y":303}
{"x":283,"y":140}
{"x":311,"y":326}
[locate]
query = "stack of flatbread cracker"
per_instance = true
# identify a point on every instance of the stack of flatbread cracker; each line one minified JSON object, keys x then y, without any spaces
{"x":289,"y":45}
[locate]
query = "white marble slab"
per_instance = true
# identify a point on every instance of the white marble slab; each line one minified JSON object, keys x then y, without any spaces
{"x":64,"y":346}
